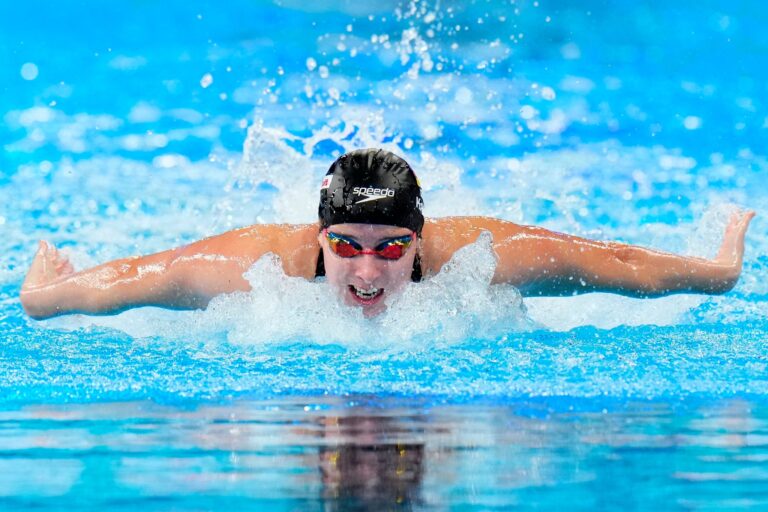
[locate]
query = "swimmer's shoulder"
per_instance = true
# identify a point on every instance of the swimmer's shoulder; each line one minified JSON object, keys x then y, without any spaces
{"x":295,"y":244}
{"x":443,"y":236}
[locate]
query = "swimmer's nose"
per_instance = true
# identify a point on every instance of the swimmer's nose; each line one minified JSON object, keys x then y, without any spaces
{"x":367,"y":268}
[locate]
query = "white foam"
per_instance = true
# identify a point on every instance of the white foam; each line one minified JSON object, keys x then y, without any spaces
{"x":607,"y":311}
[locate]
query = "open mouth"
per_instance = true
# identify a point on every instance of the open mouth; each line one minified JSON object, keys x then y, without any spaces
{"x":368,"y":296}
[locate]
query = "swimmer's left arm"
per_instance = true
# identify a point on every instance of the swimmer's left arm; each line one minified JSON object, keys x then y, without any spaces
{"x":540,"y":262}
{"x":544,"y":263}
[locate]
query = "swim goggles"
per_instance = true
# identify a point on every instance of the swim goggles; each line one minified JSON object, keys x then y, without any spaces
{"x":391,"y":249}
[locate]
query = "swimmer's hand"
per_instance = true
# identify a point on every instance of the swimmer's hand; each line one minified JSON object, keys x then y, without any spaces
{"x":48,"y":266}
{"x":731,"y":253}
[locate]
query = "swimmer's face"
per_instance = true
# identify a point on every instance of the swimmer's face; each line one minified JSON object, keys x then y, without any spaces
{"x":366,"y":280}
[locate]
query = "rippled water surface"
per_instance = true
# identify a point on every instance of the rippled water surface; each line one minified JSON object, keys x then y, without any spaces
{"x":364,"y":452}
{"x":136,"y":126}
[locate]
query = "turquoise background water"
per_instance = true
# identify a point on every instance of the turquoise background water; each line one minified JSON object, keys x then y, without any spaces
{"x":132,"y":127}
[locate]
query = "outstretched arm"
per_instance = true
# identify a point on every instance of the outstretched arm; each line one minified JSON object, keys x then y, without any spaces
{"x":52,"y":288}
{"x":544,"y":263}
{"x":184,"y":278}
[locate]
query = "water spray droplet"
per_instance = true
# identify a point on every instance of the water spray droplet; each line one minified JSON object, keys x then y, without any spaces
{"x":692,"y":122}
{"x":29,"y":71}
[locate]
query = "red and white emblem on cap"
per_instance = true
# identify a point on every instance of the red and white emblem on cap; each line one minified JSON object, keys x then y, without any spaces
{"x":326,"y":182}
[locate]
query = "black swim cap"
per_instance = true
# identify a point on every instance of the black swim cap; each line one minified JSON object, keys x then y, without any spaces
{"x":371,"y":186}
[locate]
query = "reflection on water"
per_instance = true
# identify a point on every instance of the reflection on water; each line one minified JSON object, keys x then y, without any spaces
{"x":362,"y":453}
{"x":367,"y":464}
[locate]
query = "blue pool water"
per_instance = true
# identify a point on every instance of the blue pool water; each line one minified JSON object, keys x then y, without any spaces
{"x":136,"y":126}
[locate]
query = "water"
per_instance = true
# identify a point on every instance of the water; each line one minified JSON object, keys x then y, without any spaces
{"x":384,"y":453}
{"x":134,"y":127}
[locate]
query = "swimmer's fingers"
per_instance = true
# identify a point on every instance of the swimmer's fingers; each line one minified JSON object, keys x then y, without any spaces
{"x":47,"y":266}
{"x":64,"y":267}
{"x":732,"y":248}
{"x":39,"y":268}
{"x":61,"y":263}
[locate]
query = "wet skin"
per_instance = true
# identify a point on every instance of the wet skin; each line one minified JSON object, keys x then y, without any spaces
{"x":367,"y":272}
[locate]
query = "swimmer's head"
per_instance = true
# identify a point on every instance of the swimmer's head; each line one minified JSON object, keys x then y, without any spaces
{"x":371,"y":186}
{"x":371,"y":220}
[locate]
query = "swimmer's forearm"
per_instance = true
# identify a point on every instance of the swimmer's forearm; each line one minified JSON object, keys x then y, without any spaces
{"x":545,"y":263}
{"x":636,"y":272}
{"x":108,"y":289}
{"x":541,"y":262}
{"x":679,"y":274}
{"x":640,"y":272}
{"x":167,"y":280}
{"x":183,"y":278}
{"x":66,"y":300}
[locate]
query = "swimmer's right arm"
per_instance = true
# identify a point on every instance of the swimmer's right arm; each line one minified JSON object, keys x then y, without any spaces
{"x":185,"y":278}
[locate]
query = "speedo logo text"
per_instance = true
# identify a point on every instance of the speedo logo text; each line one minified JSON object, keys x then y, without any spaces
{"x":372,"y":194}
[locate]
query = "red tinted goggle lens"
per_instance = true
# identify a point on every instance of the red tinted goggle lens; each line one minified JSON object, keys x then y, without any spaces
{"x":392,"y":249}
